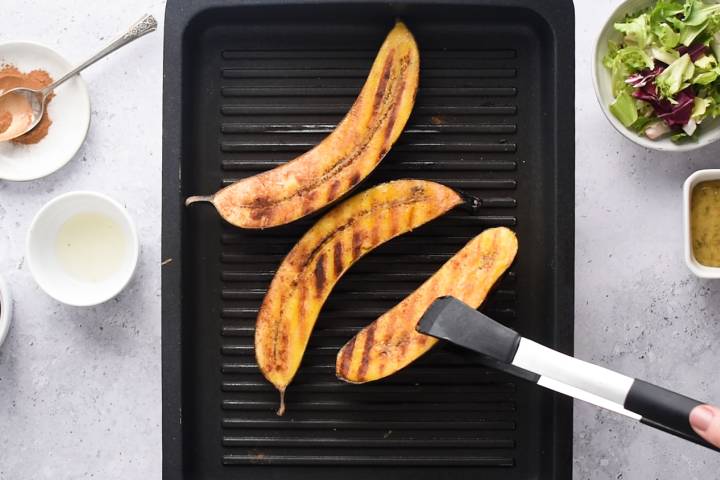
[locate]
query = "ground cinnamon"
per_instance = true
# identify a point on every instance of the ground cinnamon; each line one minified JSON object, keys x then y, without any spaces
{"x":5,"y":121}
{"x":11,"y":77}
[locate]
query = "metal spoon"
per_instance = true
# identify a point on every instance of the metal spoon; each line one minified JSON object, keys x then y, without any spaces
{"x":17,"y":100}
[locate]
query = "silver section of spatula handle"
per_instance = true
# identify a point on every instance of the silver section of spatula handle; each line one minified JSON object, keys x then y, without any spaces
{"x":575,"y":392}
{"x":585,"y":376}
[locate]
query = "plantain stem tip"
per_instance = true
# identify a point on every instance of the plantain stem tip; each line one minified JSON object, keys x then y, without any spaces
{"x":198,"y":198}
{"x":281,"y":409}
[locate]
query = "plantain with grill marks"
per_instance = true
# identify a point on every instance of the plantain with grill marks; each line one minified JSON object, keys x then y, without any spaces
{"x":391,"y":342}
{"x":340,"y":161}
{"x":306,"y":276}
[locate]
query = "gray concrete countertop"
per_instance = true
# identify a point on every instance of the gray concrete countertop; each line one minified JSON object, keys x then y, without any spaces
{"x":638,"y":309}
{"x":80,"y":392}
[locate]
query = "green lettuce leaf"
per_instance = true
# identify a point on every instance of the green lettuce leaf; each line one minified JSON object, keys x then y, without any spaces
{"x":641,"y":123}
{"x":715,"y":45}
{"x":644,"y":109}
{"x":664,"y":10}
{"x":624,"y":109}
{"x":706,"y":62}
{"x":689,"y":6}
{"x":682,"y":137}
{"x":666,"y":35}
{"x":665,"y":56}
{"x":700,"y":108}
{"x":623,"y":62}
{"x":675,"y":77}
{"x":700,"y":21}
{"x":688,"y":33}
{"x":706,"y":70}
{"x":663,"y":22}
{"x":637,"y":30}
{"x":609,"y":57}
{"x":712,"y":94}
{"x":705,"y":78}
{"x":699,"y":12}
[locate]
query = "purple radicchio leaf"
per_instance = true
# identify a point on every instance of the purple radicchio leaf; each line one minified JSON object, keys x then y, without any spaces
{"x":642,"y":78}
{"x":682,"y":110}
{"x":673,"y":114}
{"x":695,"y":51}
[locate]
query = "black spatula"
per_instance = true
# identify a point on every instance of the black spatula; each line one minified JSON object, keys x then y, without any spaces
{"x":452,"y":320}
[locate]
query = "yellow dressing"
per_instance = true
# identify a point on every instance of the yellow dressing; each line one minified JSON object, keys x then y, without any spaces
{"x":705,"y":223}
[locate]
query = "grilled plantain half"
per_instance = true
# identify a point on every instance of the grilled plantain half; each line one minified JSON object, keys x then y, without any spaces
{"x":309,"y":272}
{"x":344,"y":158}
{"x":391,"y":342}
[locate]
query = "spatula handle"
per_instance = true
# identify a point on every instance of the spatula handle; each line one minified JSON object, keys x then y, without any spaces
{"x":656,"y":406}
{"x":665,"y":410}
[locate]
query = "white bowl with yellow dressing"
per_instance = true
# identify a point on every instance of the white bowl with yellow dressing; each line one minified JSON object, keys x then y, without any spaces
{"x":82,"y":248}
{"x":701,"y":212}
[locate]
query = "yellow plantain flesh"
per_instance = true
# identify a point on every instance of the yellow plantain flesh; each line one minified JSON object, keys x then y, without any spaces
{"x":391,"y":342}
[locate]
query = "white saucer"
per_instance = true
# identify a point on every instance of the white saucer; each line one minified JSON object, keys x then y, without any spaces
{"x":69,"y":112}
{"x":6,"y":307}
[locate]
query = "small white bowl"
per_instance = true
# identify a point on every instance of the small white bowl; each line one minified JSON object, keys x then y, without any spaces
{"x":42,"y":254}
{"x":6,"y":307}
{"x":69,"y":111}
{"x":710,"y":131}
{"x":696,"y":267}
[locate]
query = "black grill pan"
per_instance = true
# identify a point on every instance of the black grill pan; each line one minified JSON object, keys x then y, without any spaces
{"x":249,"y":85}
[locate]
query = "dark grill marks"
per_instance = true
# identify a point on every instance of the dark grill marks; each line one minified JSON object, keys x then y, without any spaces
{"x":357,"y":242}
{"x":416,"y":197}
{"x":403,"y":344}
{"x":354,"y":179}
{"x":382,"y":83}
{"x":375,"y":234}
{"x":260,"y":202}
{"x":405,"y":63}
{"x":320,"y":275}
{"x":308,"y":200}
{"x":394,"y":225}
{"x":365,"y":360}
{"x":346,"y":358}
{"x":260,"y":213}
{"x":333,"y":190}
{"x":302,"y":297}
{"x":337,"y":258}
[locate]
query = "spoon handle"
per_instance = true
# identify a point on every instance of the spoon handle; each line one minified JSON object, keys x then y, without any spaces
{"x":143,"y":26}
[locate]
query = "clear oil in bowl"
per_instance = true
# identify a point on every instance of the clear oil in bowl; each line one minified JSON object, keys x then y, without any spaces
{"x":91,"y":247}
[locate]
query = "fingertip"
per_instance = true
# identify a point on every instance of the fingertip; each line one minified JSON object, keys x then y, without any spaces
{"x":701,"y":418}
{"x":705,"y":420}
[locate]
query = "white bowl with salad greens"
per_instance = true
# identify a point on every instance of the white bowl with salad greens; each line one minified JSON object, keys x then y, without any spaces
{"x":656,"y":72}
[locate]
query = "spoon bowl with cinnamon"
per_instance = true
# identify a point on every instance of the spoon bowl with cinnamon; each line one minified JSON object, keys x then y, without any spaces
{"x":20,"y":111}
